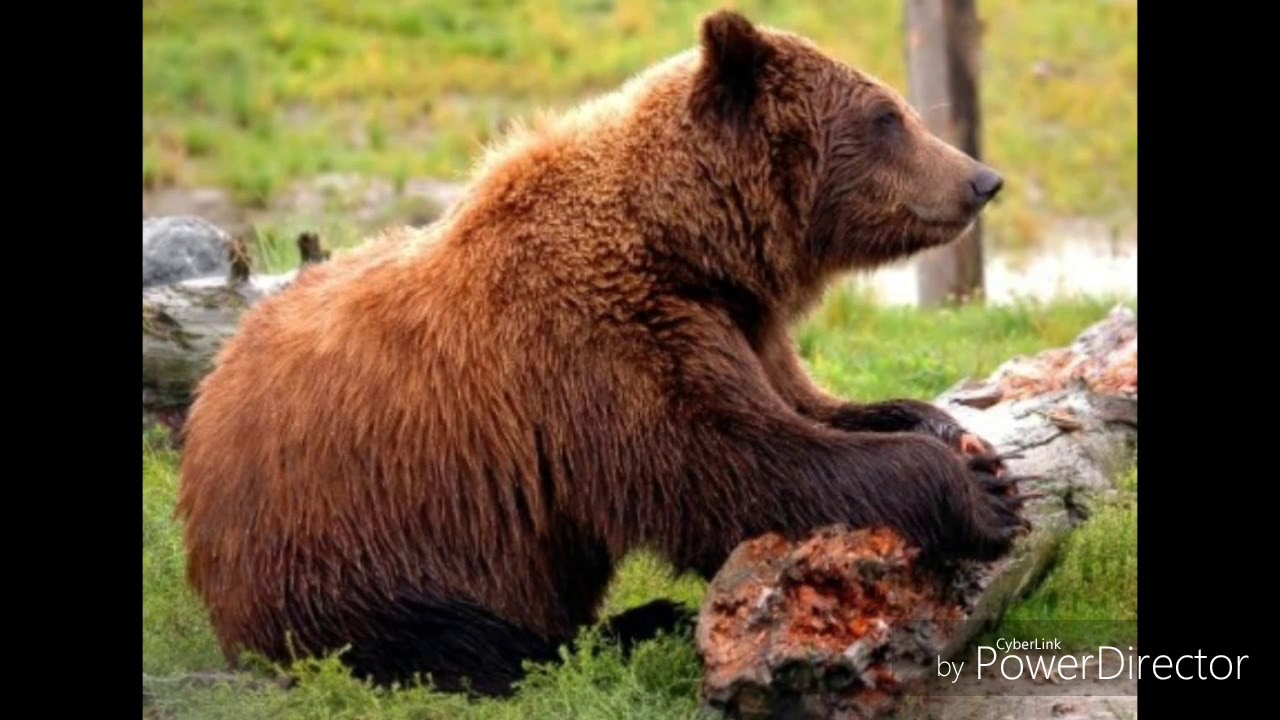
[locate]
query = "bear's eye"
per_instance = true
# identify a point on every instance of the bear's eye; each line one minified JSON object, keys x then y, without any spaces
{"x":888,"y":119}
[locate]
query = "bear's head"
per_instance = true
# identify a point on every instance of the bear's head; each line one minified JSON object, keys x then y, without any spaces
{"x":851,"y":175}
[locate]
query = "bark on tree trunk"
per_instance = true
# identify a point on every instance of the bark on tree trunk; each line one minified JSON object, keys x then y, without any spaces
{"x":943,"y":41}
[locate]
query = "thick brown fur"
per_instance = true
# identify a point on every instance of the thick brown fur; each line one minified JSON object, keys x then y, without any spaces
{"x":435,"y":448}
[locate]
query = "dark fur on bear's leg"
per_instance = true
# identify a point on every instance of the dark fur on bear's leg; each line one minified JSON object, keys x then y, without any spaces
{"x":920,"y":417}
{"x":464,"y":647}
{"x":646,"y":622}
{"x":785,"y":473}
{"x":459,"y":645}
{"x":899,"y":416}
{"x":786,"y":374}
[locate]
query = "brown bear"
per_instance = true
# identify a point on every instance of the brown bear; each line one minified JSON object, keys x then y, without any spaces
{"x":434,"y":449}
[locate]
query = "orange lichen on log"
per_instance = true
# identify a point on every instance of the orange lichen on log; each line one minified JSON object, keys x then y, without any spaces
{"x":827,"y":615}
{"x":1112,"y":373}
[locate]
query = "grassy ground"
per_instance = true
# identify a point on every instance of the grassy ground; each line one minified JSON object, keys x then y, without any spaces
{"x":250,"y":95}
{"x":1091,"y":597}
{"x":856,"y":350}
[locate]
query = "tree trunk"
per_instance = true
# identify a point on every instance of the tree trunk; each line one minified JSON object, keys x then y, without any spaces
{"x":943,"y":39}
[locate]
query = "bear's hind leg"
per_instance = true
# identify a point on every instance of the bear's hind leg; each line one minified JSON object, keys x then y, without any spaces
{"x":645,"y":622}
{"x":459,"y":645}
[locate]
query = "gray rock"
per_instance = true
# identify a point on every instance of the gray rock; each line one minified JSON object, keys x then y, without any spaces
{"x":181,"y":248}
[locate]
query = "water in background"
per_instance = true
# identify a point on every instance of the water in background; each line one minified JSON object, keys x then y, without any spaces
{"x":1074,"y":260}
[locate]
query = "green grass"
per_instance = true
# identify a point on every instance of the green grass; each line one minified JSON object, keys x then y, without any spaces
{"x":857,"y":350}
{"x":1091,"y":596}
{"x":176,"y":636}
{"x":252,"y":95}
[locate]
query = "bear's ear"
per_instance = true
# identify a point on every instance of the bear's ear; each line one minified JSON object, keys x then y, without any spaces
{"x":733,"y":55}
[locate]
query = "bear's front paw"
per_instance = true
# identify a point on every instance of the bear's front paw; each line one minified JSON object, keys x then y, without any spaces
{"x":981,"y":456}
{"x":934,"y":421}
{"x":997,"y":518}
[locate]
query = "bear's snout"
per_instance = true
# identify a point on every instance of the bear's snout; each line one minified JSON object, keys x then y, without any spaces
{"x":985,"y":185}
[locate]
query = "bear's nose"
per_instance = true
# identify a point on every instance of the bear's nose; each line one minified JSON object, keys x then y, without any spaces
{"x":985,"y":185}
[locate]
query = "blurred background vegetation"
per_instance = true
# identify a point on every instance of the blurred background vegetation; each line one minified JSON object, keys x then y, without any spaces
{"x":254,"y":95}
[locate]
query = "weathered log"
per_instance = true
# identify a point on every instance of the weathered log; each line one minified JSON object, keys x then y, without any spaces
{"x":154,"y":686}
{"x":184,"y":324}
{"x":843,"y":624}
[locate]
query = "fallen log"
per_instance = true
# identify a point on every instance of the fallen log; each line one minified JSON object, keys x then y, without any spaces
{"x":184,"y":324}
{"x":845,"y":623}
